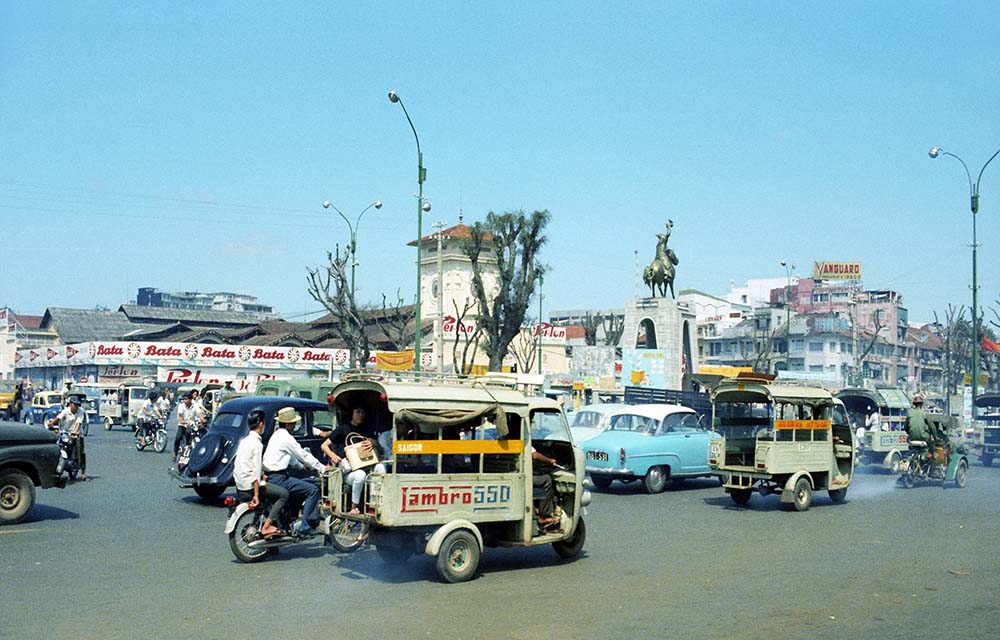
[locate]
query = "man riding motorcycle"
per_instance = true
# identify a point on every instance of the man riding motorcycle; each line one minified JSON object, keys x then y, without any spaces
{"x":189,"y":416}
{"x":149,"y":414}
{"x":71,"y":420}
{"x":282,"y":451}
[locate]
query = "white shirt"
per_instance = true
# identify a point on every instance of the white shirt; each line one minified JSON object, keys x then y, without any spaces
{"x":247,"y":465}
{"x":148,"y":409}
{"x":282,"y":449}
{"x":189,"y":415}
{"x":69,"y":421}
{"x":872,"y":421}
{"x":163,"y":404}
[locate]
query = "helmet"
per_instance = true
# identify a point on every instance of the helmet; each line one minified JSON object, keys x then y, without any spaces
{"x":918,"y":398}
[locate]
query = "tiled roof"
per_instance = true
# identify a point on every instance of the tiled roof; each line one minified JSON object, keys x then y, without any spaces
{"x":87,"y":325}
{"x":459,"y":231}
{"x":190,"y":317}
{"x":28,"y":322}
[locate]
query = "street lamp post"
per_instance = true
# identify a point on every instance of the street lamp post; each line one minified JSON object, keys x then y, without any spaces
{"x":354,"y":243}
{"x":974,"y":206}
{"x":421,"y":209}
{"x":788,"y":314}
{"x":541,"y":281}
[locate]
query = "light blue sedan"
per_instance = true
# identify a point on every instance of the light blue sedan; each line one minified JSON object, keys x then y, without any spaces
{"x":653,"y":442}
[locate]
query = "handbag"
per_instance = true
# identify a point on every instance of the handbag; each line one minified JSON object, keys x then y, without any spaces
{"x":357,"y":455}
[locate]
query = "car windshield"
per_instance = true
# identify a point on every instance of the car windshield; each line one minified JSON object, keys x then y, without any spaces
{"x":229,"y":424}
{"x":549,"y":425}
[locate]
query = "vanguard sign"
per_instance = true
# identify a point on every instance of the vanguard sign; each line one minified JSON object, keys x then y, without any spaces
{"x":836,"y":271}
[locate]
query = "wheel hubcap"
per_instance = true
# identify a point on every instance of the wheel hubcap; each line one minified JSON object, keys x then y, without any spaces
{"x":8,"y":497}
{"x":459,"y":556}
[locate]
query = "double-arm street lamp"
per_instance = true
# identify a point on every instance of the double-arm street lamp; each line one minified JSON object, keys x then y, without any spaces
{"x":788,"y":314}
{"x":974,"y":205}
{"x":422,"y":207}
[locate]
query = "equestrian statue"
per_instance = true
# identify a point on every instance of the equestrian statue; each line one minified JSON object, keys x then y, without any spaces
{"x":660,"y":273}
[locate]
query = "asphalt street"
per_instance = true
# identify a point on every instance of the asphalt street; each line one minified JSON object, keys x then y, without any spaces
{"x":129,"y":554}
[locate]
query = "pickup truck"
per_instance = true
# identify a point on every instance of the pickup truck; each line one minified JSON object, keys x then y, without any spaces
{"x":28,"y":459}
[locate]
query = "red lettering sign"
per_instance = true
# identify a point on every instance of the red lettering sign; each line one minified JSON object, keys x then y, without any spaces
{"x":260,"y":354}
{"x":312,"y":356}
{"x":209,"y":352}
{"x":112,"y":350}
{"x":153,"y":350}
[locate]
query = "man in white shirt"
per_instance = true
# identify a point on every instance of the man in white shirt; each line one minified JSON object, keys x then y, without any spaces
{"x":873,"y":421}
{"x":188,"y":415}
{"x":149,"y":413}
{"x":250,"y":484}
{"x":71,"y":419}
{"x":283,"y":450}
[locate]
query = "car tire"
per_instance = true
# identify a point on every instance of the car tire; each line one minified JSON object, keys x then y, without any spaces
{"x":573,"y":545}
{"x":601,"y":482}
{"x":655,"y":480}
{"x":838,"y":495}
{"x":961,"y":472}
{"x":209,"y":492}
{"x":894,"y":461}
{"x":108,"y":424}
{"x":28,"y":420}
{"x":458,"y":557}
{"x":802,"y":495}
{"x":17,"y":496}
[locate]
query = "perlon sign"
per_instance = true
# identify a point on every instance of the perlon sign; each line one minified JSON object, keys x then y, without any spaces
{"x":836,"y":271}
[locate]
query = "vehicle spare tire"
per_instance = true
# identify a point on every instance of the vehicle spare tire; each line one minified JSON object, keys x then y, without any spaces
{"x":206,"y":453}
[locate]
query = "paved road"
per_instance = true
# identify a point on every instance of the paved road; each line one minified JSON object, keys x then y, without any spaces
{"x":129,"y":554}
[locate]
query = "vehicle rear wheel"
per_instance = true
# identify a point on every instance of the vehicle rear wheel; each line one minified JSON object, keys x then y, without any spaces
{"x":741,"y":496}
{"x":961,"y":471}
{"x":802,"y":495}
{"x":140,"y":444}
{"x":894,"y":461}
{"x":17,"y":495}
{"x":655,"y":480}
{"x":160,"y":441}
{"x":838,"y":495}
{"x":247,"y":530}
{"x":28,"y":420}
{"x":392,"y":554}
{"x":209,"y":493}
{"x":458,"y":557}
{"x":346,"y":535}
{"x":108,"y":424}
{"x":601,"y":482}
{"x":908,"y":476}
{"x":573,"y":545}
{"x":987,"y":461}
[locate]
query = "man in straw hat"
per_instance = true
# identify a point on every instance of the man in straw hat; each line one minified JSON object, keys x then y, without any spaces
{"x":283,"y":450}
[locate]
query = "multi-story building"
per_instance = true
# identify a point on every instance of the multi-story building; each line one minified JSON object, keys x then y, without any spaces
{"x":19,"y":331}
{"x":216,"y":301}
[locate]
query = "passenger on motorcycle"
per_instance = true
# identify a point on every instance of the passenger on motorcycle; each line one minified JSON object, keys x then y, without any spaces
{"x":71,"y":419}
{"x":251,"y":486}
{"x":163,"y":404}
{"x":334,"y":445}
{"x":149,"y":414}
{"x":919,"y":425}
{"x":282,"y":451}
{"x":189,"y":415}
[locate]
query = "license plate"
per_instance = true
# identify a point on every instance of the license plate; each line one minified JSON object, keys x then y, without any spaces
{"x":597,"y":455}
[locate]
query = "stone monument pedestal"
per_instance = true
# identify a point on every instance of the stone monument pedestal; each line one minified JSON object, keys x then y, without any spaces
{"x":662,"y":333}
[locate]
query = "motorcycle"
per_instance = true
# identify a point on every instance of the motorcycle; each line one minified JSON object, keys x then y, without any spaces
{"x":248,"y":545}
{"x":191,"y":436}
{"x":152,"y":432}
{"x":934,"y":464}
{"x":67,"y":455}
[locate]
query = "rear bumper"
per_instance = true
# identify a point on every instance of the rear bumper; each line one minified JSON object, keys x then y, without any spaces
{"x":622,"y":472}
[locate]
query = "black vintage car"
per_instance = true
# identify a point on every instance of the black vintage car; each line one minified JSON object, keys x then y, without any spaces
{"x":28,"y":459}
{"x":210,"y":470}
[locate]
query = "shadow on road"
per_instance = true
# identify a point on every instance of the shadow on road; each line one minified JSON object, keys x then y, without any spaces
{"x":42,"y":512}
{"x":678,"y":485}
{"x":770,"y":503}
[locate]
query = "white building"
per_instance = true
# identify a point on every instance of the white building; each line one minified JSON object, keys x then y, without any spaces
{"x":757,"y":292}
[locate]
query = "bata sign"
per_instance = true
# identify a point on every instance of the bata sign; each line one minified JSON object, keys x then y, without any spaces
{"x":836,"y":271}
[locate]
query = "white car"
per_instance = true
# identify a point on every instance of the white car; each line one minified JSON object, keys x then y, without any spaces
{"x":592,"y":420}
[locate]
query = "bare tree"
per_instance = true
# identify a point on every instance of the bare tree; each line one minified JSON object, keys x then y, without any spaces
{"x":878,"y":323}
{"x":329,"y":286}
{"x":613,"y":326}
{"x":468,"y":339}
{"x":756,"y":345}
{"x":524,"y":350}
{"x":516,"y":238}
{"x":396,"y":323}
{"x":590,"y":324}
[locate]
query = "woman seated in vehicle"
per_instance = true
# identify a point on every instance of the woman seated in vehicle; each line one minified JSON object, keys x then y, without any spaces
{"x":334,"y":447}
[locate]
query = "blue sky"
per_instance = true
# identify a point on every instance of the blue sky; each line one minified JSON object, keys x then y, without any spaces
{"x":189,"y":145}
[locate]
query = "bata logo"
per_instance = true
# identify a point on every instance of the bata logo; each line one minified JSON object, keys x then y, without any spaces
{"x":244,"y":353}
{"x":340,"y":357}
{"x":190,"y":352}
{"x":50,"y":353}
{"x":134,"y":349}
{"x":153,"y":350}
{"x":112,"y":350}
{"x":428,"y":499}
{"x":70,"y":352}
{"x":209,"y":352}
{"x":293,"y":355}
{"x":260,"y":354}
{"x":312,"y":356}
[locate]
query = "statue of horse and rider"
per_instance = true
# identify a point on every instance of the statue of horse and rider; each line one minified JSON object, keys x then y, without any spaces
{"x":660,"y":273}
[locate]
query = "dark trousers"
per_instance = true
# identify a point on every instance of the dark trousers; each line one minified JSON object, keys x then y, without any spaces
{"x":81,"y":454}
{"x":178,"y":438}
{"x":544,"y":494}
{"x":302,"y":491}
{"x":269,"y":493}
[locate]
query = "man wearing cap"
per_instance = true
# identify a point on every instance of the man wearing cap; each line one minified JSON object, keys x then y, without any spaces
{"x":919,"y":426}
{"x":283,"y":450}
{"x":71,"y":419}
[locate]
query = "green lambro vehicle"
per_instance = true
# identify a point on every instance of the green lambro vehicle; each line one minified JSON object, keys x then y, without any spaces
{"x":779,"y":438}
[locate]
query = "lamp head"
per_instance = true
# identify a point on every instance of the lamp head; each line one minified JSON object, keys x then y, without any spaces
{"x":393,"y":97}
{"x":934,"y":152}
{"x":782,"y":262}
{"x":378,"y":204}
{"x":326,"y":204}
{"x":426,"y":207}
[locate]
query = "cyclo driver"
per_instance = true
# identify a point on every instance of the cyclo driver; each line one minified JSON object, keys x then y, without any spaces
{"x":282,"y":451}
{"x":148,"y":415}
{"x":189,"y":415}
{"x":919,"y":426}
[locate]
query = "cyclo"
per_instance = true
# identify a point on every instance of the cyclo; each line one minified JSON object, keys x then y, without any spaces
{"x":461,"y":475}
{"x":780,"y":438}
{"x":936,"y":461}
